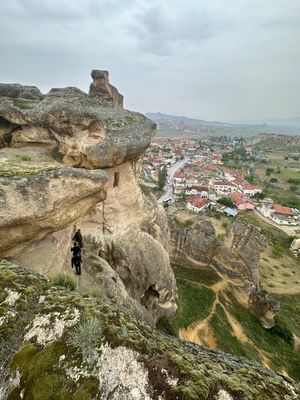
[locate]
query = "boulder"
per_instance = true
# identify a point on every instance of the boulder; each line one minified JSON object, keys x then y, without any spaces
{"x":102,"y":89}
{"x":263,"y":307}
{"x":295,"y":247}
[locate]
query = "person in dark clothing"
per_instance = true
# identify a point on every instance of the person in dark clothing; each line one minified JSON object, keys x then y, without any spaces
{"x":76,"y":253}
{"x":77,"y":263}
{"x":78,"y":238}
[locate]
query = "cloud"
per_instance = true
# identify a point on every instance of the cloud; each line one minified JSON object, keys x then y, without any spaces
{"x":210,"y":58}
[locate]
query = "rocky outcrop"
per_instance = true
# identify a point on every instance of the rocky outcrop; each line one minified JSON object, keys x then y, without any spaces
{"x":234,"y":256}
{"x":102,"y":89}
{"x":193,"y":246}
{"x":85,"y":132}
{"x":238,"y":253}
{"x":31,"y":207}
{"x":264,"y":307}
{"x":295,"y":247}
{"x":17,"y":91}
{"x":128,"y":228}
{"x":60,"y":344}
{"x":44,"y":207}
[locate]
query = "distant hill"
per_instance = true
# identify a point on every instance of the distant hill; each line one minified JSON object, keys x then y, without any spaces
{"x":167,"y":122}
{"x":277,"y":141}
{"x":291,"y":122}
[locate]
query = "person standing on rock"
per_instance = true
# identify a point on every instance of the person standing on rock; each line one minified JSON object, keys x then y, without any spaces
{"x":78,"y":238}
{"x":76,"y":253}
{"x":77,"y":263}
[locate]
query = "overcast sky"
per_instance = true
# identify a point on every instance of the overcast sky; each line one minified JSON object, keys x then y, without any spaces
{"x":227,"y":60}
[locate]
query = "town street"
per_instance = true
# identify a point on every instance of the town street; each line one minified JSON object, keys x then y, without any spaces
{"x":171,"y":171}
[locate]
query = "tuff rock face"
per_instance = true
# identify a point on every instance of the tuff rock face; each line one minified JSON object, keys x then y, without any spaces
{"x":34,"y":206}
{"x":235,"y":257}
{"x":47,"y":352}
{"x":51,"y":184}
{"x":101,"y":88}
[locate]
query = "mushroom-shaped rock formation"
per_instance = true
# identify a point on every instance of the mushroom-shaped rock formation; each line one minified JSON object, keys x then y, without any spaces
{"x":84,"y":131}
{"x":45,"y":201}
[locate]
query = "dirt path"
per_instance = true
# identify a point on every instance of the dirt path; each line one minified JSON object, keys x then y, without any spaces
{"x":296,"y":342}
{"x":201,"y":333}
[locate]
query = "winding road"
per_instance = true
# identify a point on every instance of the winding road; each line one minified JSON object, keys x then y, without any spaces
{"x":171,"y":171}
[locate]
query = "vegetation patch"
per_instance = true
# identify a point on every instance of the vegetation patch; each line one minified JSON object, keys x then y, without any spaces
{"x":64,"y":279}
{"x":203,"y":276}
{"x":86,"y":337}
{"x":194,"y":303}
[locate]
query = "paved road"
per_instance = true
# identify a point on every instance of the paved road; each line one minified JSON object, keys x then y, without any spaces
{"x":171,"y":171}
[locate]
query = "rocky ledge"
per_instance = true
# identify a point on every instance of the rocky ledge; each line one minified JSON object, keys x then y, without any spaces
{"x":91,"y":131}
{"x":60,"y":344}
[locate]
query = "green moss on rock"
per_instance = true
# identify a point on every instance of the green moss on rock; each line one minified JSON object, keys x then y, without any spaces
{"x":169,"y":368}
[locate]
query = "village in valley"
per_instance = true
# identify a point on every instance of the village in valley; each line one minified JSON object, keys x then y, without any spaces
{"x":225,"y":175}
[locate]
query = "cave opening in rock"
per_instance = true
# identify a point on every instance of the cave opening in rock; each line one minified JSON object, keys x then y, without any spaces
{"x":6,"y":130}
{"x":150,"y":298}
{"x":116,"y":179}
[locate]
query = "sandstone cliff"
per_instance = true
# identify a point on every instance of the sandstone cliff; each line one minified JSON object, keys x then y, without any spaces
{"x":69,"y":160}
{"x":234,"y":257}
{"x":59,"y":344}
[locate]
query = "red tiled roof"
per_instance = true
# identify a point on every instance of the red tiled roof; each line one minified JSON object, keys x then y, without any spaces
{"x":237,"y":197}
{"x":282,"y":209}
{"x":178,"y":175}
{"x":198,"y":202}
{"x":251,"y":187}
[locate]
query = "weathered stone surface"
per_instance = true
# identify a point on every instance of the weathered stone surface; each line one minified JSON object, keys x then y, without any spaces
{"x":235,"y":257}
{"x":86,"y":132}
{"x":193,"y":246}
{"x":263,"y":307}
{"x":33,"y":206}
{"x":15,"y":90}
{"x":295,"y":247}
{"x":127,"y":359}
{"x":101,"y":88}
{"x":239,"y":252}
{"x":128,"y":228}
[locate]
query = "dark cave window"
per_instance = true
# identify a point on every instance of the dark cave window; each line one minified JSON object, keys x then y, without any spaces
{"x":116,"y":179}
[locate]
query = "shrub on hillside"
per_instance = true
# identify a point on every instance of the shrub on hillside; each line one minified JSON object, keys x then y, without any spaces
{"x":280,"y":329}
{"x":64,"y":279}
{"x":86,"y":337}
{"x":277,"y":250}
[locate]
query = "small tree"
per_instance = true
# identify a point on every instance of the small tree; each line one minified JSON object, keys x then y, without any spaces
{"x":162,"y":176}
{"x":226,"y":201}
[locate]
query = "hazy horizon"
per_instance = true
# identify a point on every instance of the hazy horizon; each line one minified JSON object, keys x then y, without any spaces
{"x":234,"y":62}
